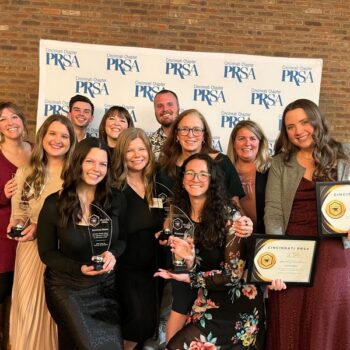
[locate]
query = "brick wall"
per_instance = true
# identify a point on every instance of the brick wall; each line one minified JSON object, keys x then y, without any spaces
{"x":291,"y":28}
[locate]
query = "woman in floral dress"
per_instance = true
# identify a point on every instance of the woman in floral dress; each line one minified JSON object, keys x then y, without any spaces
{"x":228,"y":313}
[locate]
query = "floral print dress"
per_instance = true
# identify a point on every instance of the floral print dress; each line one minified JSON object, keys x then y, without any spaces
{"x":227,"y":313}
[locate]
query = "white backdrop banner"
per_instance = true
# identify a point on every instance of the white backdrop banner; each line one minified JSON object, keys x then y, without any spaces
{"x":224,"y":87}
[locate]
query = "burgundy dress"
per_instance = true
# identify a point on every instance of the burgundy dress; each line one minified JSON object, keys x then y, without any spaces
{"x":7,"y":246}
{"x":317,"y":317}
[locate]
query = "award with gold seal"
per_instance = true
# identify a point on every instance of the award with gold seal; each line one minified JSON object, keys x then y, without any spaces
{"x":290,"y":258}
{"x":333,"y":208}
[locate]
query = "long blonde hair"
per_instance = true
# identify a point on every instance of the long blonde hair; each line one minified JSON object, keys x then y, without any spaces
{"x":120,"y":168}
{"x":263,"y":159}
{"x":38,"y":160}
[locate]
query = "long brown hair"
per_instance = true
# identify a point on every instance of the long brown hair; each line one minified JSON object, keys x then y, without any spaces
{"x":38,"y":160}
{"x":172,"y":150}
{"x":326,"y":151}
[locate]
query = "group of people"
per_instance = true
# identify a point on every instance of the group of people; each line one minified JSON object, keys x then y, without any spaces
{"x":61,"y":188}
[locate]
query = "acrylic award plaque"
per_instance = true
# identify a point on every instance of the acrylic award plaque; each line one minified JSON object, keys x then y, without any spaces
{"x":182,"y":227}
{"x":100,"y":233}
{"x":24,"y":206}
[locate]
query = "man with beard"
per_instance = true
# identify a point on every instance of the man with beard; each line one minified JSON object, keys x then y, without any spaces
{"x":81,"y":114}
{"x":166,"y":109}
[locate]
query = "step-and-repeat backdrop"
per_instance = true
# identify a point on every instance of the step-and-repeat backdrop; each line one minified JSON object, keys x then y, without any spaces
{"x":224,"y":87}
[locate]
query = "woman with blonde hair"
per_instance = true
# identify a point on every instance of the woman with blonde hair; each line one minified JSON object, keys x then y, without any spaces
{"x":133,"y":172}
{"x":14,"y":152}
{"x":248,"y":150}
{"x":31,"y":326}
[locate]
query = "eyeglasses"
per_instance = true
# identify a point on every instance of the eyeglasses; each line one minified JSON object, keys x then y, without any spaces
{"x":201,"y":176}
{"x":185,"y":131}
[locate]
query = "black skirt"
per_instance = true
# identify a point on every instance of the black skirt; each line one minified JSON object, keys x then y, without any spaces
{"x":85,"y":309}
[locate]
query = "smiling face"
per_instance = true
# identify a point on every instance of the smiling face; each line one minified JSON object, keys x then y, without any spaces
{"x":196,"y":184}
{"x":11,"y":125}
{"x":94,"y":166}
{"x":190,"y":143}
{"x":246,"y":145}
{"x":299,"y":129}
{"x":115,"y":124}
{"x":136,"y":155}
{"x":56,"y":141}
{"x":166,"y":109}
{"x":81,"y":114}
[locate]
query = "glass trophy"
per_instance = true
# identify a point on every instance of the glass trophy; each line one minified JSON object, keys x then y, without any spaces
{"x":24,"y":209}
{"x":182,"y":227}
{"x":100,"y":233}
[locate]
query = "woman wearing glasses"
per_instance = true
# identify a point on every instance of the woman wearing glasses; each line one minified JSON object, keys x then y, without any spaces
{"x":226,"y":313}
{"x":190,"y":134}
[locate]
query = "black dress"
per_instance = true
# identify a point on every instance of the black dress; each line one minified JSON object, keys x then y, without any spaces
{"x":139,"y":292}
{"x":85,"y":308}
{"x":227,"y":314}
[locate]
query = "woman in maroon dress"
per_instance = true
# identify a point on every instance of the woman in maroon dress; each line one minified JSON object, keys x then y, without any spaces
{"x":14,"y":152}
{"x":314,"y":317}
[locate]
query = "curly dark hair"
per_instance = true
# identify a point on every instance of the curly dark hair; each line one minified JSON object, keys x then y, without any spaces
{"x":211,"y":230}
{"x":326,"y":152}
{"x":69,"y":207}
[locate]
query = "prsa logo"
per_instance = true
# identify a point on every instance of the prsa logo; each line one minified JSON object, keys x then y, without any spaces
{"x":209,"y":94}
{"x":91,"y":86}
{"x":216,"y":143}
{"x":297,"y":75}
{"x":62,"y":58}
{"x":131,"y":110}
{"x":146,"y":89}
{"x":181,"y":68}
{"x":239,"y":71}
{"x":230,"y":119}
{"x":55,"y":107}
{"x":123,"y":64}
{"x":266,"y":98}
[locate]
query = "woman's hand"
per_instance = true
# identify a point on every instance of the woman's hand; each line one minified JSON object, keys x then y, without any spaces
{"x":181,"y":277}
{"x":10,"y":188}
{"x":277,"y":284}
{"x":242,"y":227}
{"x":109,"y":262}
{"x":184,"y":249}
{"x":28,"y":233}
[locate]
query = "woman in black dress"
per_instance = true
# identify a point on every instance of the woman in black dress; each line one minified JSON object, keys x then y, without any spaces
{"x":133,"y":173}
{"x":80,"y":298}
{"x":227,"y":313}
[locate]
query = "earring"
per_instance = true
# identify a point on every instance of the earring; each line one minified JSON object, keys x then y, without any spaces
{"x":203,"y":142}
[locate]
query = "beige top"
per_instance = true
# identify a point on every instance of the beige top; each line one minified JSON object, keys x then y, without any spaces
{"x":52,"y":184}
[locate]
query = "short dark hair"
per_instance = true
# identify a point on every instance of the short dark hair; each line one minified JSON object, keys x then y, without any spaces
{"x":165,"y":91}
{"x":81,"y":98}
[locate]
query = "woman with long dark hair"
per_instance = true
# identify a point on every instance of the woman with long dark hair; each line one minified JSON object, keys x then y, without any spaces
{"x":227,"y":312}
{"x":190,"y":134}
{"x":314,"y":317}
{"x":82,"y":299}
